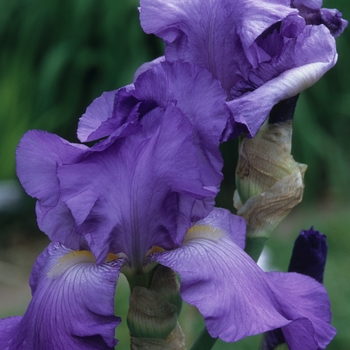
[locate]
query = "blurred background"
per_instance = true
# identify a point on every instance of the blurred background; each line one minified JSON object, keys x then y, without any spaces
{"x":57,"y":56}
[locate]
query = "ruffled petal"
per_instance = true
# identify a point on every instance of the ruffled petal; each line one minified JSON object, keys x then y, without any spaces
{"x":189,"y":87}
{"x":102,"y":117}
{"x":308,"y":305}
{"x":100,"y":110}
{"x":235,"y":296}
{"x":213,"y":34}
{"x":313,"y":13}
{"x":72,"y":305}
{"x":140,"y":191}
{"x":200,"y":97}
{"x":38,"y":156}
{"x":299,"y":68}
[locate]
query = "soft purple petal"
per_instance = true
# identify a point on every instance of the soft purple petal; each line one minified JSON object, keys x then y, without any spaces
{"x":141,"y":191}
{"x":98,"y":112}
{"x":315,"y":15}
{"x":100,"y":119}
{"x":148,"y":65}
{"x":189,"y":87}
{"x":200,"y":97}
{"x":312,"y":304}
{"x":72,"y":305}
{"x":235,"y":296}
{"x":38,"y":156}
{"x":213,"y":34}
{"x":7,"y":326}
{"x":311,"y":4}
{"x":298,"y":70}
{"x":333,"y":20}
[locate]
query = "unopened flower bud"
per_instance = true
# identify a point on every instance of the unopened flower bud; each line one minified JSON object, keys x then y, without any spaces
{"x":269,"y":181}
{"x":153,"y":313}
{"x":309,"y":254}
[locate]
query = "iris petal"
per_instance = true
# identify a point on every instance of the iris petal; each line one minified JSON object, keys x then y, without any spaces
{"x":72,"y":305}
{"x":38,"y":156}
{"x":139,"y":192}
{"x":235,"y":296}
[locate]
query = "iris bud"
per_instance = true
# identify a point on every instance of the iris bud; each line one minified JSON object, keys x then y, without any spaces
{"x":269,"y":181}
{"x":153,"y":313}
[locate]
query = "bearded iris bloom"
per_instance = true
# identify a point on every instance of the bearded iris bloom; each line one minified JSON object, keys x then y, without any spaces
{"x":145,"y":194}
{"x":261,"y":51}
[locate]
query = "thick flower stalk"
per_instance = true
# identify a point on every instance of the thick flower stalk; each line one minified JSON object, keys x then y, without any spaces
{"x":262,"y":51}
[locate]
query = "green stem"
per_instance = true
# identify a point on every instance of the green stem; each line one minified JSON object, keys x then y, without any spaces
{"x":204,"y":341}
{"x":254,"y":246}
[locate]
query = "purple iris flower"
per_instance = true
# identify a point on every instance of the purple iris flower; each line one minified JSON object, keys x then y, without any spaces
{"x":308,"y":258}
{"x":262,"y":51}
{"x":141,"y":194}
{"x":72,"y":305}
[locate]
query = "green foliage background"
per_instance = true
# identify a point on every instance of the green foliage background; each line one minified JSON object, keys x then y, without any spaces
{"x":57,"y":56}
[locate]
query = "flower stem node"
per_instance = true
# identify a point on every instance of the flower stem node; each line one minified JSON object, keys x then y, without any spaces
{"x":153,"y":312}
{"x":269,"y":181}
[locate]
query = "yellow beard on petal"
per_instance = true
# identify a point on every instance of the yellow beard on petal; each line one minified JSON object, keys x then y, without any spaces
{"x":72,"y":258}
{"x":204,"y":232}
{"x":75,"y":257}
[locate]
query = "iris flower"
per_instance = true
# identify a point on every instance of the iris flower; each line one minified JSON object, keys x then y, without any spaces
{"x":145,"y":194}
{"x":262,"y":51}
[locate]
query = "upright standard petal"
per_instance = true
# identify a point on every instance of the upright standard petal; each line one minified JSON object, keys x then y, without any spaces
{"x":189,"y":87}
{"x":213,"y":34}
{"x":200,"y":97}
{"x":249,"y":46}
{"x":100,"y":119}
{"x":125,"y":194}
{"x":72,"y":305}
{"x":141,"y":191}
{"x":235,"y":296}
